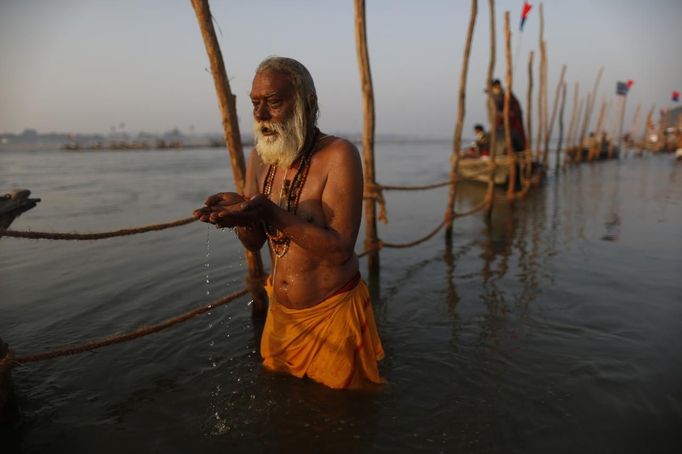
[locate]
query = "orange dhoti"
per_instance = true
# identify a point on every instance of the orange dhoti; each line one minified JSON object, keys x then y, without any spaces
{"x":334,"y":342}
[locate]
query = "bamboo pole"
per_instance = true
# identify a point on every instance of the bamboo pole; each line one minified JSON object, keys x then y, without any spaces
{"x":555,"y":106}
{"x":589,"y":107}
{"x":634,"y":126}
{"x":620,"y":123}
{"x":511,"y":153}
{"x":529,"y":118}
{"x":371,"y":238}
{"x":542,"y":88}
{"x":574,"y":114}
{"x":561,"y":129}
{"x":449,"y":215}
{"x":541,"y":127}
{"x":596,"y":144}
{"x":613,"y":134}
{"x":228,"y":111}
{"x":649,"y":120}
{"x":492,"y":114}
{"x":577,"y":147}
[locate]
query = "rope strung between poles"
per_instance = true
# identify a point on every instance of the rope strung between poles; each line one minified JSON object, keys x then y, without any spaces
{"x":431,"y":186}
{"x":381,"y":244}
{"x":375,"y":192}
{"x":93,"y":236}
{"x":416,"y":242}
{"x":119,"y":338}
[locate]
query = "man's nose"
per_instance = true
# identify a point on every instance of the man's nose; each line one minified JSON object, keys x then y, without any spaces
{"x":261,"y":112}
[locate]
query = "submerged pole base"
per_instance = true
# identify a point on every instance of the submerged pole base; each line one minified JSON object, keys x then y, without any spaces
{"x":9,"y":410}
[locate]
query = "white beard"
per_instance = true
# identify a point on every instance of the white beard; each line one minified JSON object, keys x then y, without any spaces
{"x":283,"y":147}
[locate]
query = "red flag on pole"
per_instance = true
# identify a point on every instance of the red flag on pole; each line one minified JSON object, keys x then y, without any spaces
{"x":524,"y":13}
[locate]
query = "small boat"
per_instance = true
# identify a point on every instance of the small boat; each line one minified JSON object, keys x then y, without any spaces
{"x":13,"y":203}
{"x":477,"y":170}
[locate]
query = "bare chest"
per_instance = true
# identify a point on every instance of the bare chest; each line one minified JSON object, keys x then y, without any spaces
{"x":303,"y":200}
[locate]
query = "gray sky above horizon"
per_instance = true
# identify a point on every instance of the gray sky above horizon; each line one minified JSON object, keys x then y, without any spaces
{"x":88,"y":65}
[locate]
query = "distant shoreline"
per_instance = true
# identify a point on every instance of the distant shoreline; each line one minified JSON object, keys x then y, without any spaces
{"x":175,"y":146}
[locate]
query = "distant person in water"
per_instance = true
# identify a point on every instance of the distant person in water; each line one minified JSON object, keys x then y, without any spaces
{"x":481,"y":146}
{"x":518,"y":135}
{"x":303,"y":195}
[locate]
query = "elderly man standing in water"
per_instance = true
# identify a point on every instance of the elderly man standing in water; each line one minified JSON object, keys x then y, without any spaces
{"x":303,"y":195}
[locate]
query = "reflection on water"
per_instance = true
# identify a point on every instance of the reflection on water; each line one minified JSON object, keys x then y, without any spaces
{"x":555,"y":326}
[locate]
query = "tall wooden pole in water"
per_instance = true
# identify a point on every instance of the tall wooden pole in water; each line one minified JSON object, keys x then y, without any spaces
{"x":492,"y":114}
{"x":228,"y":112}
{"x":577,"y":146}
{"x":574,"y":114}
{"x":589,"y":107}
{"x":542,"y":89}
{"x":623,"y":102}
{"x":456,"y":146}
{"x":511,"y":153}
{"x":613,"y":133}
{"x":550,"y":127}
{"x":528,"y":152}
{"x":635,"y":123}
{"x":596,"y":144}
{"x":557,"y":164}
{"x":371,"y":238}
{"x":541,"y":117}
{"x":649,"y":121}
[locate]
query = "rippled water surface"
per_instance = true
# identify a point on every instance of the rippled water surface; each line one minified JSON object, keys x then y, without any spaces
{"x":556,"y":327}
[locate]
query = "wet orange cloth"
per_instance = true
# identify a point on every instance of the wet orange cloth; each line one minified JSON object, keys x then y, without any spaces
{"x":334,"y":342}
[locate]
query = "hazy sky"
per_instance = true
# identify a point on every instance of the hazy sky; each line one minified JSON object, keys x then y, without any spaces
{"x":86,"y":65}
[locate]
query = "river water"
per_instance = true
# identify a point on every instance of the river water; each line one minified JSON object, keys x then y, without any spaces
{"x":556,"y":327}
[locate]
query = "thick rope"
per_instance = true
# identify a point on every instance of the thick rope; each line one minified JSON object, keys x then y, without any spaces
{"x":381,"y":244}
{"x":417,"y":188}
{"x":375,"y":191}
{"x":93,"y":236}
{"x":430,"y":186}
{"x":484,"y":204}
{"x":119,"y":338}
{"x":416,"y":242}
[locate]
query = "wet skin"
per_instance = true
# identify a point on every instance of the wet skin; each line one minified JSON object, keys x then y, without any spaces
{"x":323,"y":231}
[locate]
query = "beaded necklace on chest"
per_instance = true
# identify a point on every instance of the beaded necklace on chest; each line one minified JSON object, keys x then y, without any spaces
{"x":289,"y":196}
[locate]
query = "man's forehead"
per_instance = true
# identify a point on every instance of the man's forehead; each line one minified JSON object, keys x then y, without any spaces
{"x":268,"y":82}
